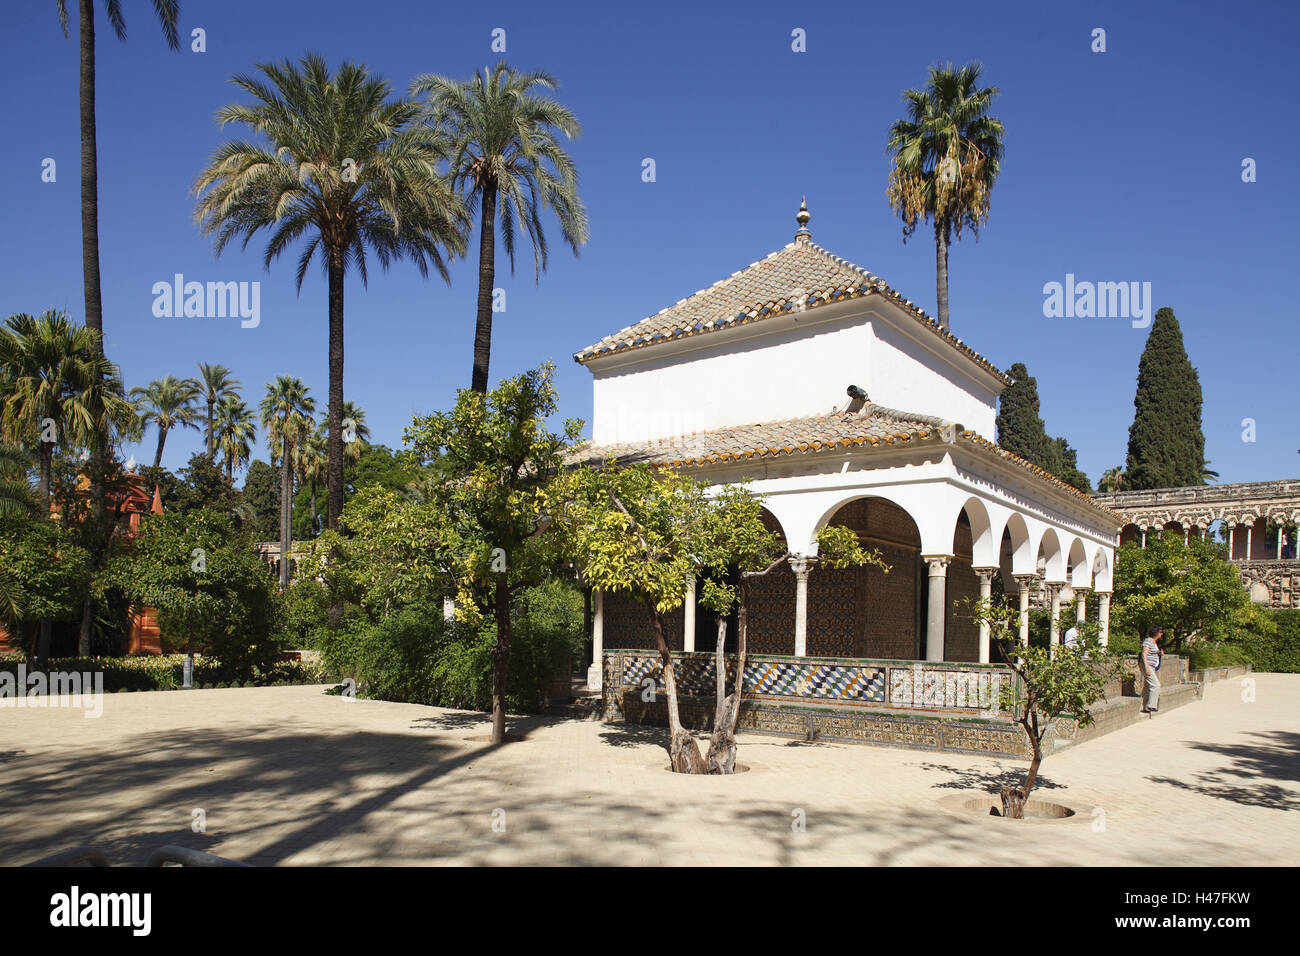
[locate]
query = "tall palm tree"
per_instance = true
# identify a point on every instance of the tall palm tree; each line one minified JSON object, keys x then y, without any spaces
{"x":287,"y":412}
{"x":347,"y":169}
{"x":235,"y":432}
{"x":51,"y":373}
{"x":506,"y":151}
{"x":310,"y":463}
{"x":168,"y":402}
{"x":215,"y":383}
{"x":1112,"y":479}
{"x":947,"y":154}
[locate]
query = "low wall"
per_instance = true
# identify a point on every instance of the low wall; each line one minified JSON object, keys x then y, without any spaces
{"x":1211,"y":674}
{"x":926,"y":706}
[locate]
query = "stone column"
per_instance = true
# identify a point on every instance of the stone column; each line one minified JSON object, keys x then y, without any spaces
{"x":1232,"y":545}
{"x":1186,"y":536}
{"x":688,"y":618}
{"x":801,"y":566}
{"x":1280,"y":532}
{"x":1249,"y":529}
{"x":1080,"y":604}
{"x":937,"y":606}
{"x":1054,"y":590}
{"x":1024,"y":580}
{"x":1103,"y":617}
{"x":1144,"y":537}
{"x":596,"y":670}
{"x":986,"y":593}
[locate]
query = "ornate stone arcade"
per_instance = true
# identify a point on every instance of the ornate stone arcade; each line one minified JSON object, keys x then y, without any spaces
{"x":1258,"y":520}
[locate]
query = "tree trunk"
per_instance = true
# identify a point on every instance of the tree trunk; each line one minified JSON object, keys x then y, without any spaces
{"x":47,"y":470}
{"x":334,"y":445}
{"x":286,"y":506}
{"x":1014,"y":798}
{"x":721,"y":758}
{"x":501,"y":661}
{"x":313,"y":508}
{"x":486,"y":277}
{"x":83,"y":632}
{"x":941,"y":269}
{"x":683,"y":751}
{"x":94,"y":317}
{"x":162,"y":440}
{"x":212,"y":448}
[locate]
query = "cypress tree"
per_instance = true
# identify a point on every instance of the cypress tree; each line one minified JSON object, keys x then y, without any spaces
{"x":1020,"y":426}
{"x":1166,"y":447}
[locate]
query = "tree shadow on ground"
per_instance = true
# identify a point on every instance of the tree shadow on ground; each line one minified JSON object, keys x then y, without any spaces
{"x":634,"y":735}
{"x":1258,"y":765}
{"x":989,"y":779}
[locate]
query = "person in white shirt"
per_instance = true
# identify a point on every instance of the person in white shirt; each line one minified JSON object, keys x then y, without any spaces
{"x":1149,"y":662}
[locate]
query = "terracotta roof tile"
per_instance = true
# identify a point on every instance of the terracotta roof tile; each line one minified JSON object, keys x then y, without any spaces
{"x":801,"y":276}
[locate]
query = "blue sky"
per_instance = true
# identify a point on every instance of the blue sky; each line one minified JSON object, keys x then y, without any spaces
{"x":1120,"y":166}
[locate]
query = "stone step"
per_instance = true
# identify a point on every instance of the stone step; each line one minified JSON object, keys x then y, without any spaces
{"x":1118,"y":712}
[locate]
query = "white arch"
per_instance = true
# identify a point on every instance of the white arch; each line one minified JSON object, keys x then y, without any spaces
{"x":985,"y":548}
{"x":1102,"y":564}
{"x":1053,"y":555}
{"x":1080,"y":570}
{"x":1024,"y":555}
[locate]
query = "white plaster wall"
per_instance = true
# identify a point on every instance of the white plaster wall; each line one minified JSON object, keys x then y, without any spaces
{"x":786,"y":372}
{"x":782,"y":368}
{"x":907,"y":375}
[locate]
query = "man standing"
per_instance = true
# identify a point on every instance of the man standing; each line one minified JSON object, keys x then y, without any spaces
{"x":1149,"y":662}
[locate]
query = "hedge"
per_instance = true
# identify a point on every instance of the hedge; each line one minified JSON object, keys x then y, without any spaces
{"x":166,"y":671}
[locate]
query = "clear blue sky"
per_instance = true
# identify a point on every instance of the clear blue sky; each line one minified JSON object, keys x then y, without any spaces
{"x":1120,"y":166}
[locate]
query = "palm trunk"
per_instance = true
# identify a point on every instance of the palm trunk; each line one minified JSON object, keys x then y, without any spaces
{"x":212,"y":448}
{"x":286,"y":506}
{"x":501,"y":661}
{"x":683,"y":751}
{"x":941,"y":269}
{"x":313,"y":508}
{"x":486,"y":278}
{"x":90,"y":285}
{"x":47,"y":469}
{"x":334,"y":445}
{"x":162,"y":440}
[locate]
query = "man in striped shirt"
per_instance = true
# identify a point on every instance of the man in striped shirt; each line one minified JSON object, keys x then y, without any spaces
{"x":1149,"y":662}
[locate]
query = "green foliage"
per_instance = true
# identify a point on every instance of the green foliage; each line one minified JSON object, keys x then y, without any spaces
{"x":1060,"y":682}
{"x":262,"y":494}
{"x":212,"y":593}
{"x":45,"y":573}
{"x":1021,"y":431}
{"x":413,"y":655}
{"x":1166,"y":447}
{"x":1188,"y":589}
{"x":303,"y":613}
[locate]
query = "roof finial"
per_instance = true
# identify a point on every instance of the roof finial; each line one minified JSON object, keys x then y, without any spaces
{"x":802,"y":218}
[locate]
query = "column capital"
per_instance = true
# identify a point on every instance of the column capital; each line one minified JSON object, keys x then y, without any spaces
{"x":801,"y":564}
{"x":938,"y":564}
{"x":989,"y":572}
{"x":1105,"y":594}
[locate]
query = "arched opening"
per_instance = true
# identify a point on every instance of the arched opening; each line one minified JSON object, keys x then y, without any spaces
{"x":960,"y":632}
{"x":1130,"y":534}
{"x":864,"y":612}
{"x":771,"y":610}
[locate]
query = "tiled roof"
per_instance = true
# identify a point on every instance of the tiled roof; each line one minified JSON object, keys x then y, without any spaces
{"x":802,"y":275}
{"x":872,"y":426}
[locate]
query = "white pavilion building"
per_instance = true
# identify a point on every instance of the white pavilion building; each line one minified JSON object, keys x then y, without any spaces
{"x":843,"y":402}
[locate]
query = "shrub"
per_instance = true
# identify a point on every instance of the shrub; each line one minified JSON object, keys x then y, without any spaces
{"x":165,"y":671}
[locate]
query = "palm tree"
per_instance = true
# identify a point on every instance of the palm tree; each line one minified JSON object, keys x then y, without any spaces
{"x":947,"y":155}
{"x":215,"y":383}
{"x":506,"y":150}
{"x":235,"y":431}
{"x":168,"y":402}
{"x":54,"y":380}
{"x":1112,"y":480}
{"x":310,"y":462}
{"x":15,"y":490}
{"x":287,"y":412}
{"x":348,"y":169}
{"x":355,"y":417}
